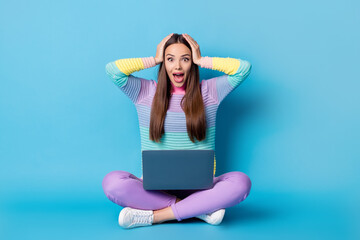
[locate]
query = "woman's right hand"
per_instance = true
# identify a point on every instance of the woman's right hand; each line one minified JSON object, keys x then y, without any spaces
{"x":160,"y":49}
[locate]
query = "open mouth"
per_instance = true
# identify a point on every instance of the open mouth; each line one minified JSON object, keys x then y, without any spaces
{"x":178,"y":77}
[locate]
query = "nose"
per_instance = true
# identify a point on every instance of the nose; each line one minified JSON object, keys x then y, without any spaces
{"x":178,"y":65}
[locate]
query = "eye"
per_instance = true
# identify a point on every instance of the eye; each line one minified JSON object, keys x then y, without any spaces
{"x":187,"y":59}
{"x":169,"y":58}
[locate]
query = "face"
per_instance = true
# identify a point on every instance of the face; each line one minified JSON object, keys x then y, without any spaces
{"x":178,"y":60}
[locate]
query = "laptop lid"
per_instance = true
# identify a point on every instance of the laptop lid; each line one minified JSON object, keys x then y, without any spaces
{"x":177,"y":169}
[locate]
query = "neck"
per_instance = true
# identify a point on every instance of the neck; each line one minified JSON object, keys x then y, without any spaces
{"x":178,"y":90}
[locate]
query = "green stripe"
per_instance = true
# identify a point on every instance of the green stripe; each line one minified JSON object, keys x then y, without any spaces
{"x":177,"y":140}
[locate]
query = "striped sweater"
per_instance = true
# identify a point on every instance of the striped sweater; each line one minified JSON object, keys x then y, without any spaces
{"x":141,"y":92}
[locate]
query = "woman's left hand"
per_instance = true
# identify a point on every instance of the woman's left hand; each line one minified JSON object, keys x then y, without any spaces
{"x":195,"y":49}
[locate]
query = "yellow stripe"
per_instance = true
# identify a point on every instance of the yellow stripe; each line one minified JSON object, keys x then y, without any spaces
{"x":226,"y":65}
{"x":214,"y":165}
{"x":129,"y":65}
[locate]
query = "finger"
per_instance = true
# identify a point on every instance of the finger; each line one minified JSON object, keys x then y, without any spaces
{"x":188,"y":39}
{"x":168,"y":36}
{"x":193,"y":44}
{"x":191,"y":40}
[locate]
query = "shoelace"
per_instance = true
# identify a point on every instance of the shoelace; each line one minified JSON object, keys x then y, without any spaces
{"x":140,"y":216}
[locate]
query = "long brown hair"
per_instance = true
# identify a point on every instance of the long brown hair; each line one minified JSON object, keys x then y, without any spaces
{"x":192,"y":102}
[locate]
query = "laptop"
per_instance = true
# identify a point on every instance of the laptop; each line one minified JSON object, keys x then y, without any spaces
{"x":177,"y":169}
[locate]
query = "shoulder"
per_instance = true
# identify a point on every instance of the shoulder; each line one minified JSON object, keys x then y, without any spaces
{"x":210,"y":87}
{"x":147,"y":89}
{"x":210,"y":84}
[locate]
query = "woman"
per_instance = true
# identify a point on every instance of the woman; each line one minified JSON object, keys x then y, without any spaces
{"x":178,"y":112}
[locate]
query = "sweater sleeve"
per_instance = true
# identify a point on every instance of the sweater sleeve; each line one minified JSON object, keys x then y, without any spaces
{"x":120,"y":73}
{"x":236,"y":71}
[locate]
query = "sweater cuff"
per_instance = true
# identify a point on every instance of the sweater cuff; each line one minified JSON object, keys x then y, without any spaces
{"x":206,"y":62}
{"x":149,"y":62}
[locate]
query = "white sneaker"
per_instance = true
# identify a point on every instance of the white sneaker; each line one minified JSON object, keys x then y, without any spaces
{"x":213,"y":218}
{"x":131,"y":217}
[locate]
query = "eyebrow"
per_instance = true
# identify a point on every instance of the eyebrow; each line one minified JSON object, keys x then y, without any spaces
{"x":181,"y":55}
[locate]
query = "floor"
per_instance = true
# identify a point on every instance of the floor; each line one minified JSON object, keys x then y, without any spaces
{"x":263,"y":215}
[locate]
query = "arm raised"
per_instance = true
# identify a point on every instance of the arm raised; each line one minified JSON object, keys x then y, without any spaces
{"x":120,"y":72}
{"x":236,"y":71}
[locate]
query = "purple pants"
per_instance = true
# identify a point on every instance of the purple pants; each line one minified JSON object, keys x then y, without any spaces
{"x":126,"y":190}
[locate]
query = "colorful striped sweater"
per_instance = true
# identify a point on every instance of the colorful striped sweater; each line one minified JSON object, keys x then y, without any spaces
{"x":141,"y":92}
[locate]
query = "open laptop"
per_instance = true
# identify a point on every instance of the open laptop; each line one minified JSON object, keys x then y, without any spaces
{"x":177,"y":169}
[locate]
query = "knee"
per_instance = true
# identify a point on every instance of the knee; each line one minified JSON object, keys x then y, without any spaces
{"x":241,"y":184}
{"x":112,"y":179}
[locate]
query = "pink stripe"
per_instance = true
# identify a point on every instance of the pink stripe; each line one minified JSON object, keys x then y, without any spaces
{"x":148,"y":62}
{"x":206,"y":62}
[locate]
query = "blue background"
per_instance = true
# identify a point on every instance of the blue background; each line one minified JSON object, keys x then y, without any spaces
{"x":292,"y":126}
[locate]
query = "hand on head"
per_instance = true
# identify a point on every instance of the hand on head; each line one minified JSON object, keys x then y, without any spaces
{"x":195,"y":49}
{"x":160,"y":49}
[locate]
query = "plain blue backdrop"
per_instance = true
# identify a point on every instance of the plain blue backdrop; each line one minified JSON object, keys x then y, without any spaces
{"x":292,"y":126}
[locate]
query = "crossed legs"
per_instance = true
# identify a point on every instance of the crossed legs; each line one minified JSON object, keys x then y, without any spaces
{"x":126,"y":190}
